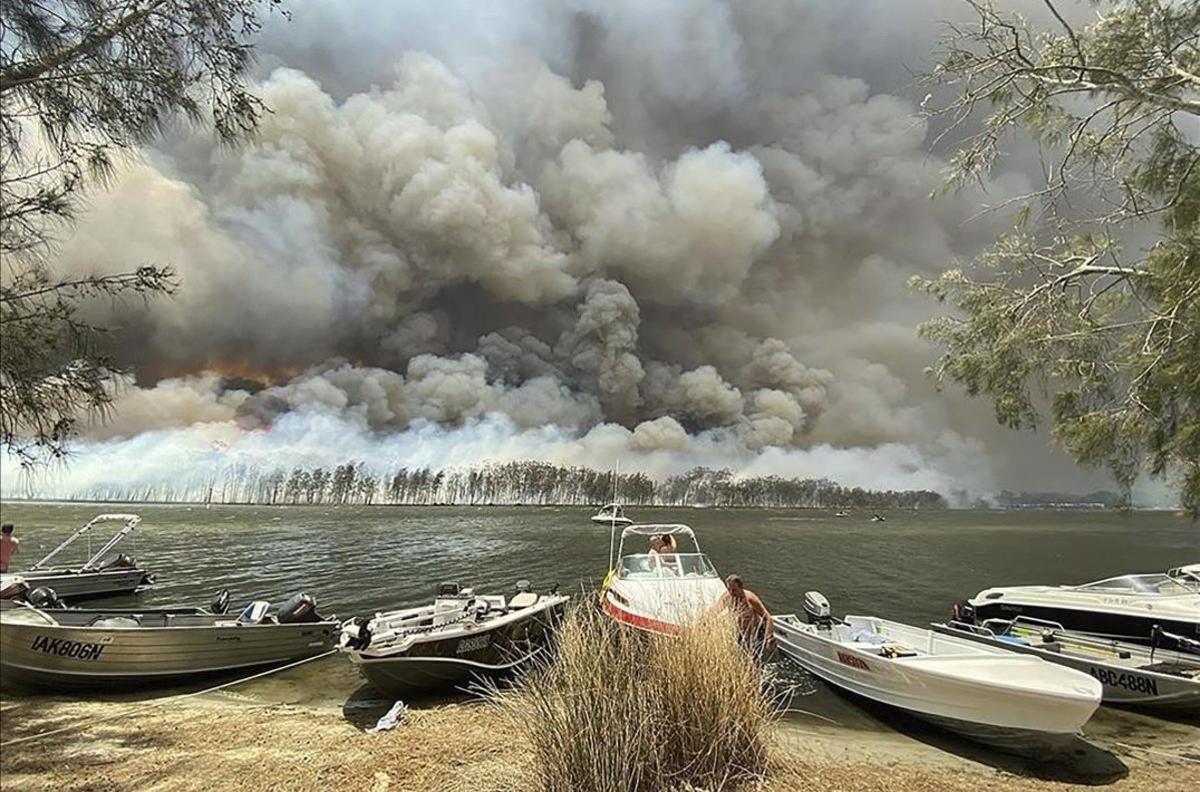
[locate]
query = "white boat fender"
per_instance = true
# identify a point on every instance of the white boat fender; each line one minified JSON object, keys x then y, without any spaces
{"x":391,"y":719}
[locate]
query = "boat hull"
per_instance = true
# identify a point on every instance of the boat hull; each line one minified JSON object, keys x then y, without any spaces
{"x":995,"y":714}
{"x":620,"y":521}
{"x":1132,"y":628}
{"x":70,"y":585}
{"x":437,"y":663}
{"x":661,"y":606}
{"x":1123,"y":686}
{"x":46,"y":656}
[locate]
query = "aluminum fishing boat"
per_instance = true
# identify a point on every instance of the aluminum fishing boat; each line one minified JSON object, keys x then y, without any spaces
{"x":460,"y":638}
{"x":611,"y":514}
{"x":75,"y":648}
{"x":1015,"y":702}
{"x":1124,"y":608}
{"x":1132,"y":675}
{"x":660,"y":592}
{"x":101,"y":575}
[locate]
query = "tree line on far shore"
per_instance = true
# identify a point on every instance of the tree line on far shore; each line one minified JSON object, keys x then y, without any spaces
{"x":527,"y":483}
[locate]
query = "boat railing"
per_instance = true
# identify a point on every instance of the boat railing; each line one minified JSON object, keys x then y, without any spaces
{"x":975,"y":629}
{"x":130,"y":522}
{"x":665,"y":566}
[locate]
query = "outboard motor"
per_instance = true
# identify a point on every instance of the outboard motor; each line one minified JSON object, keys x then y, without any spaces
{"x":363,"y":639}
{"x":119,"y":561}
{"x":43,"y":597}
{"x":220,"y":602}
{"x":300,"y":608}
{"x":963,"y":612}
{"x":448,"y":589}
{"x":523,"y":586}
{"x":816,"y":609}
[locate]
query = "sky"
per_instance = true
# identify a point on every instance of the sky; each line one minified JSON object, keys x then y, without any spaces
{"x":652,"y":233}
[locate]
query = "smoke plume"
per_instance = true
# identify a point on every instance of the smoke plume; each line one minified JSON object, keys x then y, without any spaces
{"x":667,"y":234}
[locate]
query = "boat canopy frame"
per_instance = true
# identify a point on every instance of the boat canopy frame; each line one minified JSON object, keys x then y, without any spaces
{"x":657,"y":529}
{"x":130,"y":522}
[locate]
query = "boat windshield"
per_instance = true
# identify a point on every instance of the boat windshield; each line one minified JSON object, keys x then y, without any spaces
{"x":1144,"y":584}
{"x":666,"y":567}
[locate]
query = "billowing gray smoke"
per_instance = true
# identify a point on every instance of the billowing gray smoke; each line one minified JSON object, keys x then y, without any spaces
{"x":691,"y":219}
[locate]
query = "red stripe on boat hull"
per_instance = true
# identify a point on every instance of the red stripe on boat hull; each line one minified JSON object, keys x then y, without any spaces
{"x":640,"y":622}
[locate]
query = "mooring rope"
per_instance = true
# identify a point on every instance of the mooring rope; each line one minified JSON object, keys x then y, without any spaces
{"x":167,"y":700}
{"x":1179,"y":757}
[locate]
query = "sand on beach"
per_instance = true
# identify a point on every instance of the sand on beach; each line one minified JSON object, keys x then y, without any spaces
{"x":228,"y":741}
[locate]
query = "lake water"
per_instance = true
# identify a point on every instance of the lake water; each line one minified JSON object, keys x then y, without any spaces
{"x":356,"y":560}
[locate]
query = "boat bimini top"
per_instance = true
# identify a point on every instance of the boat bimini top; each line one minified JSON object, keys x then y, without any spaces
{"x":1177,"y":582}
{"x":130,"y":521}
{"x":649,"y":566}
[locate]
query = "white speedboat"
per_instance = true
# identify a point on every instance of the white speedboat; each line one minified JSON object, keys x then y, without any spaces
{"x":1132,"y":675}
{"x":1011,"y":701}
{"x":1124,"y":608}
{"x":660,"y":592}
{"x":460,"y":637}
{"x":60,"y":648}
{"x":101,"y":575}
{"x":611,"y":514}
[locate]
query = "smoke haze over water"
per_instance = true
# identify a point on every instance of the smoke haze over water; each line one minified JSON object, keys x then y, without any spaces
{"x":667,"y":233}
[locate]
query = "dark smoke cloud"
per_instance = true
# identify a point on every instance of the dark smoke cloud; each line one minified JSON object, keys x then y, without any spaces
{"x":678,"y":229}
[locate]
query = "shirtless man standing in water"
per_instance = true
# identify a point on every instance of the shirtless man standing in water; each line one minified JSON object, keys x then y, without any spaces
{"x":9,"y":546}
{"x":756,"y":628}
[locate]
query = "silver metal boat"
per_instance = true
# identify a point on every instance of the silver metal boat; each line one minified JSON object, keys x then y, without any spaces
{"x":459,"y":638}
{"x":74,"y":647}
{"x":100,"y":575}
{"x":1132,"y":675}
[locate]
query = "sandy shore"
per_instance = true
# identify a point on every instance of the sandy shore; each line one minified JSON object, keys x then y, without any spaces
{"x":229,"y":741}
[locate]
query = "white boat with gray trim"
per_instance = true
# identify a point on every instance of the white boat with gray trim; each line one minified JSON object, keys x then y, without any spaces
{"x":1123,"y":608}
{"x":461,"y":637}
{"x":102,"y":574}
{"x":1015,"y":702}
{"x":1132,"y":675}
{"x":611,"y":514}
{"x":59,"y":648}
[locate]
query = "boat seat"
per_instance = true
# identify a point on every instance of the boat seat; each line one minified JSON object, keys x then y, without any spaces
{"x":110,"y":622}
{"x":254,"y":613}
{"x":893,"y":651}
{"x":525,"y":599}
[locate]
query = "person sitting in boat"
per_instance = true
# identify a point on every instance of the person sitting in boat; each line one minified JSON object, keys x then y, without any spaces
{"x":663,"y":547}
{"x":9,"y":546}
{"x":756,"y":627}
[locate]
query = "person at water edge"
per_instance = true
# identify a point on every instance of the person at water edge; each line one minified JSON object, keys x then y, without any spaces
{"x":756,"y":627}
{"x":9,"y":546}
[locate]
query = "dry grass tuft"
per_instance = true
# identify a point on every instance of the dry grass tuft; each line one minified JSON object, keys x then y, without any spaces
{"x":621,"y":710}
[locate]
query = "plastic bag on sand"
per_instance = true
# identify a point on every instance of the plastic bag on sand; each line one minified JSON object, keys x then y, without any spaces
{"x":390,"y":720}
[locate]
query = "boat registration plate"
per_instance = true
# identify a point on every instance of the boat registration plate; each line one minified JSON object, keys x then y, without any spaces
{"x":473,"y":644}
{"x":854,"y":661}
{"x":1134,"y":682}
